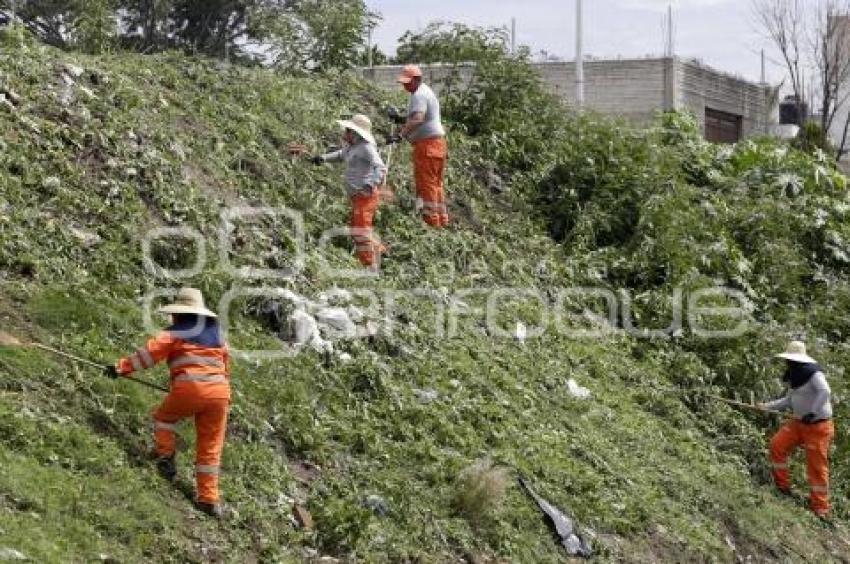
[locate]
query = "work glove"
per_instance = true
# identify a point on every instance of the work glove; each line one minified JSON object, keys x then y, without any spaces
{"x":393,"y":139}
{"x":317,"y":160}
{"x":809,"y":418}
{"x":111,"y":371}
{"x":395,"y":115}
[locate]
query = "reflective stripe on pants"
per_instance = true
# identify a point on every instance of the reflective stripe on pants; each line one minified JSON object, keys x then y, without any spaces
{"x":429,"y":167}
{"x":363,"y":208}
{"x":210,"y":415}
{"x":816,"y":438}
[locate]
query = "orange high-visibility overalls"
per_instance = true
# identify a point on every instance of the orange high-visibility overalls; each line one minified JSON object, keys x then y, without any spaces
{"x":200,"y":388}
{"x":816,"y":438}
{"x":429,"y":166}
{"x":363,"y":208}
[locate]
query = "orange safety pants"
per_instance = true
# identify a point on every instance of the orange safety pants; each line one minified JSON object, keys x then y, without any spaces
{"x":429,"y":166}
{"x":363,"y":208}
{"x":210,"y":416}
{"x":816,"y":438}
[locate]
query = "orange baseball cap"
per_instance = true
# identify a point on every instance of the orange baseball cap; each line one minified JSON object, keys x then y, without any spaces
{"x":408,"y":73}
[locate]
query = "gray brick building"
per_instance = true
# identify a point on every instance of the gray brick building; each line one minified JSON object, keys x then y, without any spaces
{"x":728,"y":107}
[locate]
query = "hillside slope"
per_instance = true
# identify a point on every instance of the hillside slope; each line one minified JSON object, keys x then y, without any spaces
{"x":99,"y":151}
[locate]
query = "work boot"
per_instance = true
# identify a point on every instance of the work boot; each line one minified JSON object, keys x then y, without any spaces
{"x":214,"y":510}
{"x":166,"y":467}
{"x":825,"y":520}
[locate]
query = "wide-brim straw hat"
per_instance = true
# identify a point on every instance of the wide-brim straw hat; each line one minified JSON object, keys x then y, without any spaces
{"x":359,"y":124}
{"x":188,"y":300}
{"x":796,"y":352}
{"x":408,"y":73}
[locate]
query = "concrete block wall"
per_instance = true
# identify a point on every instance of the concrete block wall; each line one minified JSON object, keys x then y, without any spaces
{"x":630,"y":88}
{"x":700,"y":87}
{"x":635,"y":89}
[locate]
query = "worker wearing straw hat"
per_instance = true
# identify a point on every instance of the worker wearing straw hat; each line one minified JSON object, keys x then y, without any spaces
{"x":808,"y":398}
{"x":364,"y":175}
{"x":199,"y":363}
{"x":424,"y":129}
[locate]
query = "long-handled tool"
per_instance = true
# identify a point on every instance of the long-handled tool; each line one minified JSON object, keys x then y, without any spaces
{"x":387,"y":192}
{"x":741,"y":404}
{"x":10,"y":341}
{"x":721,"y":399}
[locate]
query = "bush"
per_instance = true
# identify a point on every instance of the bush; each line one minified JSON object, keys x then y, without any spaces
{"x":480,"y":489}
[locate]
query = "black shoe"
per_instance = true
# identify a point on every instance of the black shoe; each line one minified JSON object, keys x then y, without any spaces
{"x":214,"y":510}
{"x":166,"y":467}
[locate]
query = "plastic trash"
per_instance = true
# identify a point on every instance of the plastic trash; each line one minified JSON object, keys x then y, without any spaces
{"x":579,"y":392}
{"x":570,"y":537}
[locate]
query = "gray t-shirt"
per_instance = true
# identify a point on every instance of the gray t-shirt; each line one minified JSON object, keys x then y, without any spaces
{"x":365,"y":168}
{"x":425,"y":101}
{"x":811,"y":397}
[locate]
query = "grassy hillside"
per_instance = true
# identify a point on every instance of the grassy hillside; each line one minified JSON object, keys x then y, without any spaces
{"x":97,"y":152}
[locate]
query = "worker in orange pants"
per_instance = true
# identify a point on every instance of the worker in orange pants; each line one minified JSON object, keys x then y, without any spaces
{"x":423,"y":128}
{"x":429,"y":164}
{"x":816,"y":438}
{"x":199,"y":363}
{"x":365,"y":173}
{"x":809,"y":398}
{"x":363,"y":208}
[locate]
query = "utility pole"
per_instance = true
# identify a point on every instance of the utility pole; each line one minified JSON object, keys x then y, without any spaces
{"x":763,"y":68}
{"x":370,"y":47}
{"x":671,"y":38}
{"x":579,"y":56}
{"x":513,"y":36}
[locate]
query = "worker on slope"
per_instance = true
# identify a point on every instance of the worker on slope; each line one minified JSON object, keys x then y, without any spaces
{"x":199,"y":363}
{"x":424,"y":129}
{"x":809,"y":398}
{"x":364,"y":175}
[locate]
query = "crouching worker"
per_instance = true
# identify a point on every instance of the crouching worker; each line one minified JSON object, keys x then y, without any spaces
{"x":200,"y":388}
{"x":809,"y":398}
{"x":364,"y":175}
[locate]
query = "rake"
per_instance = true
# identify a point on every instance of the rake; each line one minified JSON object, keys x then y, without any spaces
{"x":8,"y":340}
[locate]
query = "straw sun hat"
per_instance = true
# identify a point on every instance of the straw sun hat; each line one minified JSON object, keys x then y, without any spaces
{"x":796,"y":351}
{"x":359,"y":124}
{"x":188,"y":300}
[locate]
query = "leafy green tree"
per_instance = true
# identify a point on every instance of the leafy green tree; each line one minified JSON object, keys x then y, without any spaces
{"x":313,"y":34}
{"x":295,"y":34}
{"x":95,"y":25}
{"x":443,"y":42}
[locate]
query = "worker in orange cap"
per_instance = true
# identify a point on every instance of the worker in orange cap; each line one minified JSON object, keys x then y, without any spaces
{"x":200,"y":388}
{"x":424,"y":129}
{"x":808,"y":398}
{"x":365,"y":173}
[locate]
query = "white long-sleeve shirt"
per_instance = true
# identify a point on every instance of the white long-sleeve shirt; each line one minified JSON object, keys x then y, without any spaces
{"x":811,"y":397}
{"x":365,"y":168}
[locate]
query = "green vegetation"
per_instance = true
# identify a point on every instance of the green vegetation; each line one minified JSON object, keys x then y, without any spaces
{"x":141,"y":142}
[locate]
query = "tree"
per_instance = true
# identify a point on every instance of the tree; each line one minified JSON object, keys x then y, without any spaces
{"x":95,"y":25}
{"x":814,"y":36}
{"x":442,"y":42}
{"x":311,"y":34}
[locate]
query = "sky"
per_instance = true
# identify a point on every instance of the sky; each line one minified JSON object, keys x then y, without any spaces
{"x":722,"y":33}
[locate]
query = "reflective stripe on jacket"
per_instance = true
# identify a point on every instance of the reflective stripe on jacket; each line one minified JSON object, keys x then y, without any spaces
{"x":195,"y":369}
